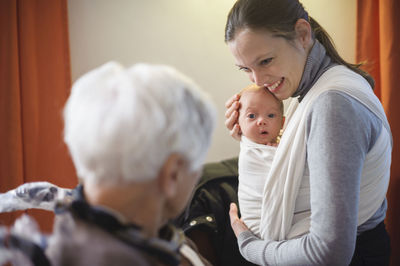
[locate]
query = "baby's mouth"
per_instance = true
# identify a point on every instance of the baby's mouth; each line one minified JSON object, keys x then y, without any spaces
{"x":264,"y":132}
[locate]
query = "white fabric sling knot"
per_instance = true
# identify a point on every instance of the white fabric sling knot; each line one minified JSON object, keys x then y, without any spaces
{"x":282,"y":184}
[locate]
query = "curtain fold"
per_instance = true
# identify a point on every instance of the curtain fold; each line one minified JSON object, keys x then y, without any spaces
{"x":35,"y":83}
{"x":378,"y":43}
{"x":11,"y":152}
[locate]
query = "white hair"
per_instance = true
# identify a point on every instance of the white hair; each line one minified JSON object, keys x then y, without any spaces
{"x":122,"y":124}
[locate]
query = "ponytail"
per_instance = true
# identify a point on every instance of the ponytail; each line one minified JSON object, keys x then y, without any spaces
{"x":323,"y":37}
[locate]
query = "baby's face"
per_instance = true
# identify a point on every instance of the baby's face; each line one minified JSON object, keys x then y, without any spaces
{"x":260,"y":116}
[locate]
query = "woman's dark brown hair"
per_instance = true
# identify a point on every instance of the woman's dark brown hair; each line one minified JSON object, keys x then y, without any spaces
{"x":279,"y":17}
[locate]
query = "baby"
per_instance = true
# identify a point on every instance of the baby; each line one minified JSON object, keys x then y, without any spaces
{"x":261,"y":120}
{"x":260,"y":115}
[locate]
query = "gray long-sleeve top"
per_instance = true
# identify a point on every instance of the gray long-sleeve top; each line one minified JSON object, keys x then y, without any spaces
{"x":340,"y":132}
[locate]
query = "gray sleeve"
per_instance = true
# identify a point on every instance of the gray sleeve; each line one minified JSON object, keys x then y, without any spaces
{"x":340,"y":131}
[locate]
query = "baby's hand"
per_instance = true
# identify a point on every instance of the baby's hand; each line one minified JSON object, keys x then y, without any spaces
{"x":232,"y":114}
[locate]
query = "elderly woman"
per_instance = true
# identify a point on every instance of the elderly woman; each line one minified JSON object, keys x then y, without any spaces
{"x":138,"y":138}
{"x":324,"y":198}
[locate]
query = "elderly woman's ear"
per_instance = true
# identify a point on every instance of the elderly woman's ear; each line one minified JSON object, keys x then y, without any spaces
{"x":176,"y":181}
{"x":168,"y":177}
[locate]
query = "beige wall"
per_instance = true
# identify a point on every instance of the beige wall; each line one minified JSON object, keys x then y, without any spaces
{"x":187,"y":34}
{"x":339,"y":20}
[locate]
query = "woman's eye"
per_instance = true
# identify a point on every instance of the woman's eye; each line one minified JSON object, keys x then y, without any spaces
{"x":245,"y":69}
{"x":251,"y":116}
{"x":271,"y":115}
{"x":266,"y":61}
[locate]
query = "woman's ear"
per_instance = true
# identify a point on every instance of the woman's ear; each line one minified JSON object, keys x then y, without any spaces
{"x":283,"y":121}
{"x":168,"y":178}
{"x":304,"y":33}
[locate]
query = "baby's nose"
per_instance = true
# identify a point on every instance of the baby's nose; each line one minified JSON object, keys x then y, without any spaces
{"x":262,"y":121}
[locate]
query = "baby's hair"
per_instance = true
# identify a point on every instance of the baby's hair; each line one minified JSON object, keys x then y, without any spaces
{"x":254,"y":87}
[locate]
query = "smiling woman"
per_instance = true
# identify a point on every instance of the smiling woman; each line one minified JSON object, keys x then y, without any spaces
{"x":323,"y":167}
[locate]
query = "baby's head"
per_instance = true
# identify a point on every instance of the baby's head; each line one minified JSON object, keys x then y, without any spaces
{"x":260,"y":115}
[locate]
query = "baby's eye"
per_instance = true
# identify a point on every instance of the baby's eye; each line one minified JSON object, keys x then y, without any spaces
{"x":251,"y":116}
{"x":271,"y":115}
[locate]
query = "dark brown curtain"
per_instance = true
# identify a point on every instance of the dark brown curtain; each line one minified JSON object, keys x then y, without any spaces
{"x":34,"y":85}
{"x":378,"y":44}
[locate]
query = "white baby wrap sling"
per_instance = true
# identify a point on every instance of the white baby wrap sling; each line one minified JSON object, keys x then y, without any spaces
{"x":255,"y":161}
{"x":281,"y":184}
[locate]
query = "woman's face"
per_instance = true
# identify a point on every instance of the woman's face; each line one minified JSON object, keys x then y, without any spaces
{"x":270,"y":61}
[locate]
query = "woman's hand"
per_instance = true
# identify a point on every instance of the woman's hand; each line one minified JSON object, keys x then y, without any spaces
{"x":232,"y":115}
{"x":237,"y":224}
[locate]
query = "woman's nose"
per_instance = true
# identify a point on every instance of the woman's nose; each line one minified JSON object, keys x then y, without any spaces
{"x":257,"y":78}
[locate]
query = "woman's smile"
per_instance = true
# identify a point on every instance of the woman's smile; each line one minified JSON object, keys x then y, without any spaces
{"x":274,"y":87}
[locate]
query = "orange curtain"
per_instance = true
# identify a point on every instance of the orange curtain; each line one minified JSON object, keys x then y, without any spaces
{"x":34,"y":85}
{"x":378,"y":43}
